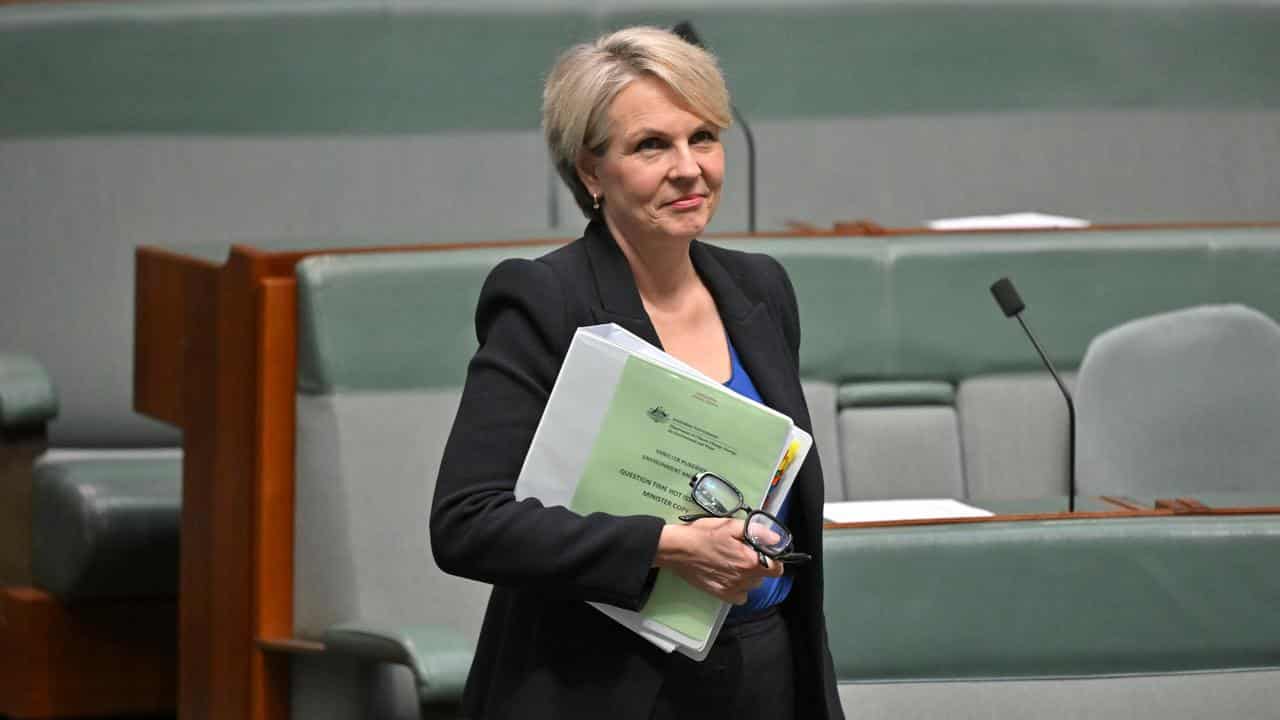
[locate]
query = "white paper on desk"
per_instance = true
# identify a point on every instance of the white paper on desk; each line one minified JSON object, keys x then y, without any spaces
{"x":889,"y":510}
{"x":1011,"y":221}
{"x":560,"y":450}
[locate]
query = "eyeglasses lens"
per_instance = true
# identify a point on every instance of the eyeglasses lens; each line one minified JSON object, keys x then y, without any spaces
{"x":715,"y":495}
{"x":767,"y":534}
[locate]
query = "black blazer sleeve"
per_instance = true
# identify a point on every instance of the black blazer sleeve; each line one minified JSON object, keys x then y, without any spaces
{"x":478,"y":530}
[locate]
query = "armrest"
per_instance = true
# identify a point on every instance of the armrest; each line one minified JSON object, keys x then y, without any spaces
{"x":440,"y":657}
{"x":106,"y":523}
{"x":27,"y":397}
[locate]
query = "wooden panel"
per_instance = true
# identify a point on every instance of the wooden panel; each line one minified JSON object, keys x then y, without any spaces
{"x":231,"y":504}
{"x":203,"y":337}
{"x":96,"y":658}
{"x":17,"y":455}
{"x":1175,"y":505}
{"x":160,"y":321}
{"x":276,"y":361}
{"x":197,"y":624}
{"x":291,"y":646}
{"x":1122,"y":502}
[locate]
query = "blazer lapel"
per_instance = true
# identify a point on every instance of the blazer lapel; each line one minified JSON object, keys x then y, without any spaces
{"x":615,"y":286}
{"x":756,"y":336}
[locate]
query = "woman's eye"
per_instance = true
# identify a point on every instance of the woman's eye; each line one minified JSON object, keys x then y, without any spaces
{"x":649,"y":144}
{"x":703,"y":136}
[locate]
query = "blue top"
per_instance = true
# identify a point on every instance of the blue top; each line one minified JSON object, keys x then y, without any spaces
{"x":773,"y":590}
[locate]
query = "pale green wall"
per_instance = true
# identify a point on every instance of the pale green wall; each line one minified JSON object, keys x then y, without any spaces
{"x":381,"y":68}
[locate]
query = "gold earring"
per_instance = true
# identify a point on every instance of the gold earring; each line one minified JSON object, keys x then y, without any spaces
{"x":595,"y":201}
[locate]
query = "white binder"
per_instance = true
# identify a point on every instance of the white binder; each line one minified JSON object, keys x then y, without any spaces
{"x":570,"y":428}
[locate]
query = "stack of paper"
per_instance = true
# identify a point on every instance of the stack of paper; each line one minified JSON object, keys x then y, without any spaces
{"x":890,"y":510}
{"x":624,"y":430}
{"x":1012,"y":221}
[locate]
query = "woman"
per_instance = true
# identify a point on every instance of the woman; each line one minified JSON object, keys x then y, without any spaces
{"x":633,"y":123}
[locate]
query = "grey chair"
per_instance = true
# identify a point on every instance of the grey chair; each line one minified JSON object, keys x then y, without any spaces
{"x":1182,"y":402}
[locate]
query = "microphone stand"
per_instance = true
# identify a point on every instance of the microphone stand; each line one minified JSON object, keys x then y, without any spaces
{"x":751,"y":167}
{"x":1071,"y":417}
{"x":1006,"y":296}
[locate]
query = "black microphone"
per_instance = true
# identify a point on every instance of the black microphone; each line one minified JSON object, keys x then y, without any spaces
{"x":1011,"y":304}
{"x":684,"y":30}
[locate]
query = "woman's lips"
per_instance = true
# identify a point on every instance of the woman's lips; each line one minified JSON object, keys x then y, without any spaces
{"x":688,"y":202}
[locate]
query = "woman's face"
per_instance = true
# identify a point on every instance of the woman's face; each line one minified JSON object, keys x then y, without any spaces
{"x":661,"y":174}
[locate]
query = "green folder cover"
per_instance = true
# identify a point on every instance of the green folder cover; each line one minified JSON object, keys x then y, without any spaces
{"x":660,"y":428}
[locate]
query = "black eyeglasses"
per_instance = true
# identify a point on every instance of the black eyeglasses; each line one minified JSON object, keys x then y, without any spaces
{"x":763,"y":532}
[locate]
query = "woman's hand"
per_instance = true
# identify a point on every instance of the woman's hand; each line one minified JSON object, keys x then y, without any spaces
{"x":710,"y":555}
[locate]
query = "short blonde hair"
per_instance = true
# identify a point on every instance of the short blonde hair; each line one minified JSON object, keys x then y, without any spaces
{"x":587,"y":77}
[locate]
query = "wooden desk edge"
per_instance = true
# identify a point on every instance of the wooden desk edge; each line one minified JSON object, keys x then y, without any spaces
{"x":290,"y":645}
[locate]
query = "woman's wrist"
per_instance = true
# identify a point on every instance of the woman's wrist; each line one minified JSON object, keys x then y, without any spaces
{"x":672,"y":545}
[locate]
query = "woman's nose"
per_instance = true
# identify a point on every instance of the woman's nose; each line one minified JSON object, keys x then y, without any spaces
{"x":685,"y":165}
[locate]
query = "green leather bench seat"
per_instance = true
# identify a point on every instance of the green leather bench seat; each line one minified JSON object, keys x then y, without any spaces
{"x":105,"y":524}
{"x":1053,"y":598}
{"x":900,"y":337}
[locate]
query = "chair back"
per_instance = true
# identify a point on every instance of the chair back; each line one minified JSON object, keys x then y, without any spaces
{"x":1182,"y":402}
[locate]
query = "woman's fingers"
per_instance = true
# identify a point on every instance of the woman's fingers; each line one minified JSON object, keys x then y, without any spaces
{"x":773,"y":568}
{"x":737,"y":596}
{"x":711,"y":555}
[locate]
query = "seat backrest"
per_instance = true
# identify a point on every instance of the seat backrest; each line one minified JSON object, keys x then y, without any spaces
{"x":820,"y":396}
{"x":899,"y":440}
{"x":1014,"y":429}
{"x":380,"y":370}
{"x":366,"y":471}
{"x":1181,"y":402}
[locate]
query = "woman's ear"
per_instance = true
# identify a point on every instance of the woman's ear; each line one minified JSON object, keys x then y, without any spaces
{"x":586,"y":164}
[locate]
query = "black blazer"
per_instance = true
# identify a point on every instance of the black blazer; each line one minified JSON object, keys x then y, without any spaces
{"x":542,"y":652}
